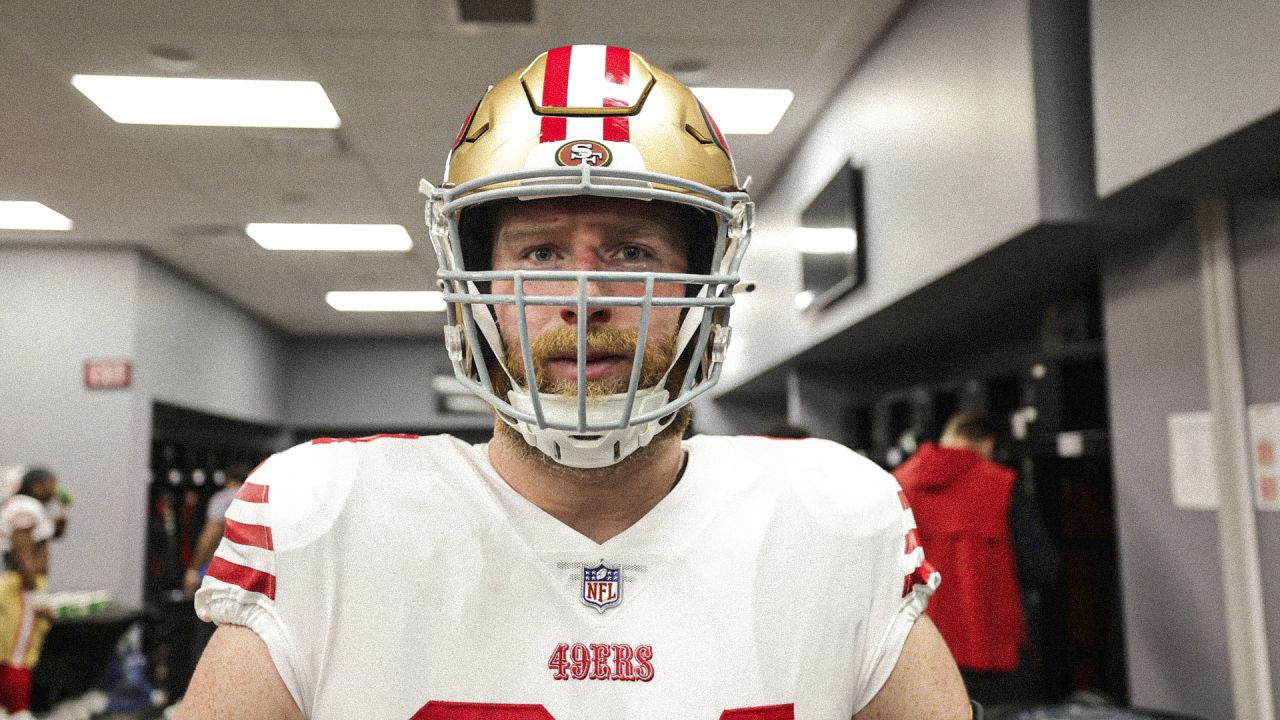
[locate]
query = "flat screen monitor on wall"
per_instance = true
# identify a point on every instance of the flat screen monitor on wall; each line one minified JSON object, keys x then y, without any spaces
{"x":831,"y":241}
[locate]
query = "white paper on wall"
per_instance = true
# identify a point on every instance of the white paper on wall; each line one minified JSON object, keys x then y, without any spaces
{"x":1264,"y":441}
{"x":1191,"y":470}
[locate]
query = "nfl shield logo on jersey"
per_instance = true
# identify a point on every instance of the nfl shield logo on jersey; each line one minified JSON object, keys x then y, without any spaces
{"x":602,"y":586}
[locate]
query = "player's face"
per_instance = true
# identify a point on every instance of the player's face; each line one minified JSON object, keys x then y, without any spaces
{"x":589,"y":233}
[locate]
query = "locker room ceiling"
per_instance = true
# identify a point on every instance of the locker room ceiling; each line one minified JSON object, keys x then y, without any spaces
{"x":401,"y":74}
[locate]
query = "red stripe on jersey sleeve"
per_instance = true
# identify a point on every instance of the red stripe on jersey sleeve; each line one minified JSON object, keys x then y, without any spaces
{"x":246,"y":577}
{"x":921,"y":576}
{"x":913,"y":540}
{"x":258,"y":536}
{"x":253,"y":493}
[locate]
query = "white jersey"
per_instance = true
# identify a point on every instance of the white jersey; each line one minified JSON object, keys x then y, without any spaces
{"x":401,"y":578}
{"x":22,"y":512}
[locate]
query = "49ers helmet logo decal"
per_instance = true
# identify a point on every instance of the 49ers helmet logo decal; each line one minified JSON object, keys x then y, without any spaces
{"x":577,"y":152}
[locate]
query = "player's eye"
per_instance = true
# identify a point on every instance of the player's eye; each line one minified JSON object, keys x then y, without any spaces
{"x":632,"y":253}
{"x":541,"y":254}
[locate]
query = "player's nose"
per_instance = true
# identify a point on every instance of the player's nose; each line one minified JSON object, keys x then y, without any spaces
{"x":595,"y":315}
{"x":586,"y":258}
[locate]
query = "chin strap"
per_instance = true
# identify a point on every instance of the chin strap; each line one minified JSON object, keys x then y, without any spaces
{"x":597,"y":449}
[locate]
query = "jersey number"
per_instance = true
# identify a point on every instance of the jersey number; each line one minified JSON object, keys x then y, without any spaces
{"x":436,"y":710}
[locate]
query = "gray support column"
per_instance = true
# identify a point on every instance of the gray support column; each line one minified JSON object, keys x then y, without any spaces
{"x":1237,"y":524}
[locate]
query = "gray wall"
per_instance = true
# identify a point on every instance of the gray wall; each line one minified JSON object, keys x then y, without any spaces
{"x":960,"y":116}
{"x":1172,"y":80}
{"x":197,"y":351}
{"x":1257,"y":236}
{"x":366,"y":384}
{"x":59,"y":308}
{"x":1173,"y":596}
{"x":1172,"y":76}
{"x":943,"y":116}
{"x":1175,"y":626}
{"x":188,"y":347}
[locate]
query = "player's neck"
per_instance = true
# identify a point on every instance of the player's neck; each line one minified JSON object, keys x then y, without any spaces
{"x":598,"y":503}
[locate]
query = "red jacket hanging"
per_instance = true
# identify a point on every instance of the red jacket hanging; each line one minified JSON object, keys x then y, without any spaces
{"x":961,"y":505}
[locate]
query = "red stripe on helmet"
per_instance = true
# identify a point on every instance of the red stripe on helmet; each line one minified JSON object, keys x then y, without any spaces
{"x":617,"y":66}
{"x":715,"y":129}
{"x":555,"y":92}
{"x":617,"y":72}
{"x":462,"y":133}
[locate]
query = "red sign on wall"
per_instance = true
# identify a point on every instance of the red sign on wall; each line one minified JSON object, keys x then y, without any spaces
{"x":107,"y":374}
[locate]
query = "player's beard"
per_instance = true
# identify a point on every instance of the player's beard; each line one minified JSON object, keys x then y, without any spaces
{"x":604,"y":339}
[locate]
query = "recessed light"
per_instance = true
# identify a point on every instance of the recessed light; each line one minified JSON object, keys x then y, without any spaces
{"x":209,"y":101}
{"x":31,"y":215}
{"x":386,"y":301}
{"x":330,"y":237}
{"x":745,"y":111}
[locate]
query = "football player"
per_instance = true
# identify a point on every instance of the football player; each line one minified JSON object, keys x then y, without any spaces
{"x":587,"y":562}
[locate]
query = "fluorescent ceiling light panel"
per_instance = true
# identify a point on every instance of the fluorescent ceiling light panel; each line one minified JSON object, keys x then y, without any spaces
{"x":745,"y":111}
{"x":209,"y":101}
{"x":371,"y":301}
{"x":825,"y":241}
{"x":330,"y":237}
{"x":31,"y":215}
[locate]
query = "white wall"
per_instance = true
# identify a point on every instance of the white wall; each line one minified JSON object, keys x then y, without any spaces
{"x":59,"y":308}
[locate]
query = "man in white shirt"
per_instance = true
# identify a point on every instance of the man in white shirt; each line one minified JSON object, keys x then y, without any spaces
{"x":587,"y":562}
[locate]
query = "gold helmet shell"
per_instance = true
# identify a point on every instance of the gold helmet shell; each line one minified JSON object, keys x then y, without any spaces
{"x":588,"y":120}
{"x":605,"y":99}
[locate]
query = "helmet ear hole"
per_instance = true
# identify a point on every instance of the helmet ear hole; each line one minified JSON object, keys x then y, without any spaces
{"x":701,"y":234}
{"x":476,"y":227}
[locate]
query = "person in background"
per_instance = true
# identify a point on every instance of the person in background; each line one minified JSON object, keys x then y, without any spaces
{"x":26,"y":528}
{"x":215,"y":523}
{"x":986,"y":537}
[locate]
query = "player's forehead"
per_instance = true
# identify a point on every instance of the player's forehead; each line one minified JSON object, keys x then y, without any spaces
{"x":554,"y":215}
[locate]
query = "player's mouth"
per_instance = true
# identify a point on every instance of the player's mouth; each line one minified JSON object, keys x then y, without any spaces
{"x":564,"y":367}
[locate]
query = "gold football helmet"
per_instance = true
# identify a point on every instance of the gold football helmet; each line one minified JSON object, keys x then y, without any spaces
{"x":588,"y":120}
